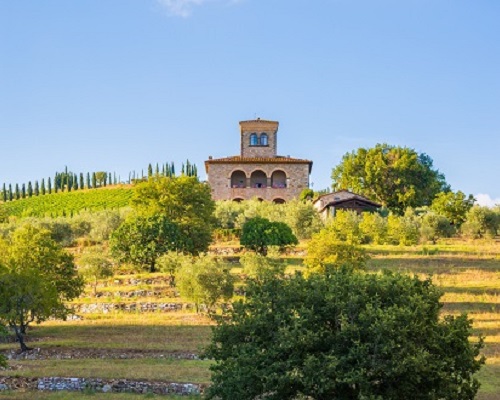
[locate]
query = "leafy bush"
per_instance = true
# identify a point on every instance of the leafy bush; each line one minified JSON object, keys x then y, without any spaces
{"x":344,"y":335}
{"x":260,"y":233}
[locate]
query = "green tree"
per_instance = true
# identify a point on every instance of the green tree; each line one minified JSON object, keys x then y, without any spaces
{"x":42,"y":187}
{"x":326,"y":252}
{"x":481,"y":222}
{"x":185,"y":201}
{"x":23,"y":191}
{"x":373,"y":228}
{"x":4,"y":193}
{"x":37,"y":279}
{"x":82,"y":181}
{"x":205,"y":282}
{"x":150,"y":170}
{"x":453,"y":205}
{"x":259,"y":233}
{"x":49,"y":185}
{"x":75,"y":182}
{"x":141,"y":240}
{"x":397,"y":177}
{"x":36,"y":190}
{"x":259,"y":267}
{"x":89,"y":185}
{"x":171,"y":262}
{"x":403,"y":230}
{"x":11,"y":194}
{"x":18,"y":196}
{"x":435,"y":226}
{"x":344,"y":335}
{"x":94,"y":265}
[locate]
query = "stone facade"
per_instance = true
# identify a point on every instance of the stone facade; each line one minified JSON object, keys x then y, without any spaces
{"x":258,"y":172}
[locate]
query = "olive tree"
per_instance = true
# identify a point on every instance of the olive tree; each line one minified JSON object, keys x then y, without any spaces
{"x":343,"y":335}
{"x":38,"y":277}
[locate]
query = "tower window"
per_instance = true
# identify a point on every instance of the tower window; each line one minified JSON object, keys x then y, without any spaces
{"x":263,"y":139}
{"x":253,"y":139}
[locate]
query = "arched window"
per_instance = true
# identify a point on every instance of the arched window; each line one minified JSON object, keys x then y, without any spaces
{"x":238,"y":179}
{"x":263,"y":139}
{"x":253,"y":139}
{"x":258,"y":179}
{"x":278,"y":180}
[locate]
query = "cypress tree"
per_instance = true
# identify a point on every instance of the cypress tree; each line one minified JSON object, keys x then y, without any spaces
{"x":114,"y":179}
{"x":157,"y":170}
{"x":75,"y":182}
{"x":150,"y":171}
{"x":23,"y":191}
{"x":110,"y":181}
{"x":49,"y":185}
{"x":183,"y":169}
{"x":163,"y":172}
{"x":172,"y":170}
{"x":10,"y":193}
{"x":94,"y":180}
{"x":4,"y":193}
{"x":69,"y":182}
{"x":82,"y":185}
{"x":18,"y":195}
{"x":42,"y":187}
{"x":37,"y":189}
{"x":88,"y":181}
{"x":105,"y":179}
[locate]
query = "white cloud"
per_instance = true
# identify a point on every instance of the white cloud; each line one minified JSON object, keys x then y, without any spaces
{"x":183,"y":8}
{"x":486,"y":200}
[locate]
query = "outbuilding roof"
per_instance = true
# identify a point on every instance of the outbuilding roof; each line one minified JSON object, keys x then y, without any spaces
{"x":340,"y":197}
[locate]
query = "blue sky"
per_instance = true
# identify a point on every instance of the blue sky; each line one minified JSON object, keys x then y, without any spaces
{"x":116,"y":84}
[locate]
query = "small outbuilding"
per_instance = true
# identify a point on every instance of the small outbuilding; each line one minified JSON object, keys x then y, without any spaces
{"x":329,"y":203}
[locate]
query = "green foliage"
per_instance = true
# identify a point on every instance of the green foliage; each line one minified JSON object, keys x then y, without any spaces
{"x":204,"y":281}
{"x":306,"y":194}
{"x":184,"y":201}
{"x":260,"y":233}
{"x":345,"y":227}
{"x":68,"y":203}
{"x":171,"y":262}
{"x":397,"y":177}
{"x":481,"y":222}
{"x":344,"y":335}
{"x":95,"y":265}
{"x":435,"y":226}
{"x":325,"y":252}
{"x":403,"y":230}
{"x":3,"y":332}
{"x":259,"y":267}
{"x":38,"y":277}
{"x":301,"y":217}
{"x":373,"y":228}
{"x":453,"y":205}
{"x":141,"y":240}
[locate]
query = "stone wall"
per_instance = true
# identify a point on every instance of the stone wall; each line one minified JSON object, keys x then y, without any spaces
{"x":98,"y":385}
{"x":219,"y":178}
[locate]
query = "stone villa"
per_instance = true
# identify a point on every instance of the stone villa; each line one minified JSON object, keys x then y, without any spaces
{"x":258,"y":171}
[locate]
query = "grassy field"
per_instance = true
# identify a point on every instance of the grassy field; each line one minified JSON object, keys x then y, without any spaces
{"x":468,"y":273}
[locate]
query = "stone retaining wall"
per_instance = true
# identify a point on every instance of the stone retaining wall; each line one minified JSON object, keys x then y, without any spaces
{"x":98,"y":385}
{"x":130,"y":307}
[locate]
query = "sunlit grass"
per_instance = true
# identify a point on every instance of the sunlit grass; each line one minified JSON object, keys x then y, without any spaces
{"x":167,"y":370}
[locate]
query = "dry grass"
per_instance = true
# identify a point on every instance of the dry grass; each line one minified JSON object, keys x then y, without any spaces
{"x":166,"y":370}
